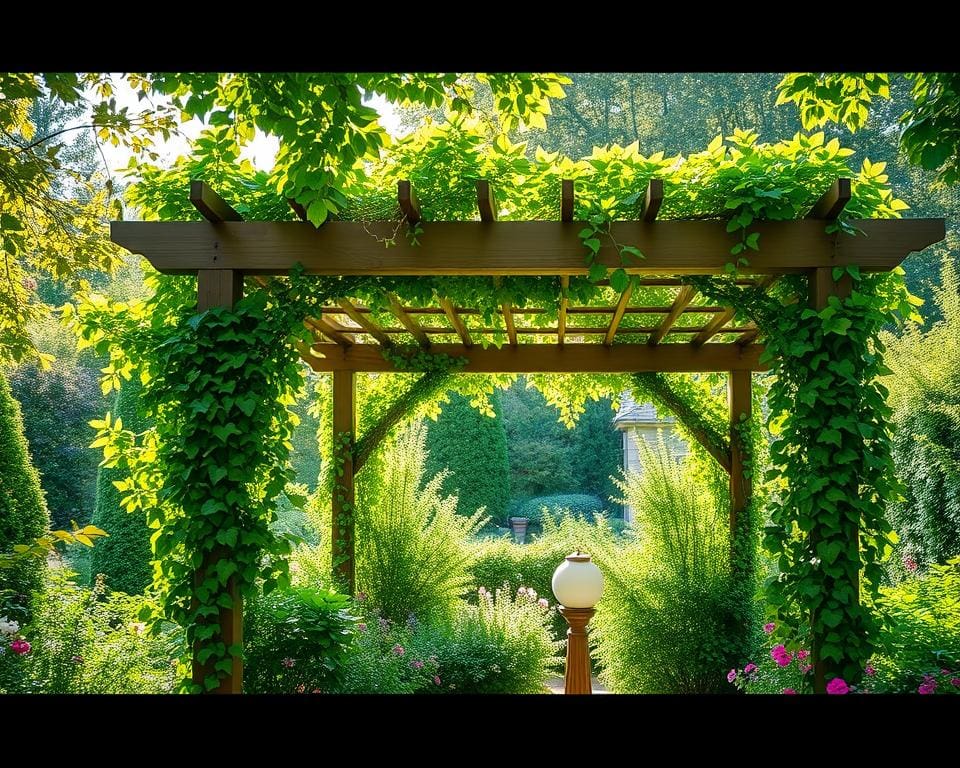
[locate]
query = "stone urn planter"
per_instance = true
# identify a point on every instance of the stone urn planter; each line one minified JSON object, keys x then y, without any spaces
{"x":519,"y":526}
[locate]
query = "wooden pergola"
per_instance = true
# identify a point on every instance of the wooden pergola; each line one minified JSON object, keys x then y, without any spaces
{"x":637,"y":330}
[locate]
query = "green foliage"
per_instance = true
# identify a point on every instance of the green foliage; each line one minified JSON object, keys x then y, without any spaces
{"x":23,"y":510}
{"x":91,"y":641}
{"x":412,"y":554}
{"x":925,"y":395}
{"x":124,"y":558}
{"x":574,"y":503}
{"x":547,"y":458}
{"x":296,"y":640}
{"x":472,"y":448}
{"x":56,"y":406}
{"x":831,"y":459}
{"x":928,"y":135}
{"x":671,"y":615}
{"x":921,"y":633}
{"x":500,"y":645}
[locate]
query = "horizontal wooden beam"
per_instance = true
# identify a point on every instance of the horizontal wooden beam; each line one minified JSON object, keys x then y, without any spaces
{"x":513,"y":247}
{"x":551,"y":358}
{"x":608,"y":310}
{"x":211,"y":206}
{"x":433,"y":330}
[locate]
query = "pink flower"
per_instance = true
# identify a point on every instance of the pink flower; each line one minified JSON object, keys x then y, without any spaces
{"x":768,"y":628}
{"x":777,"y":650}
{"x":398,"y":649}
{"x":790,"y":691}
{"x":362,"y":627}
{"x":805,"y":668}
{"x":955,"y":682}
{"x":436,"y":680}
{"x":870,"y":671}
{"x":543,"y":603}
{"x":316,"y":690}
{"x":301,"y":688}
{"x":783,"y":661}
{"x":926,"y":688}
{"x":909,"y":563}
{"x":802,"y":654}
{"x":749,"y":668}
{"x":780,"y":655}
{"x":416,"y":664}
{"x":20,"y":647}
{"x":482,"y":591}
{"x":944,"y":671}
{"x":731,"y":675}
{"x":288,"y":662}
{"x":838,"y":687}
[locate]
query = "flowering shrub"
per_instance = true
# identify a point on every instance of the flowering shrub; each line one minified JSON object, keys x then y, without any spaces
{"x":87,"y":641}
{"x":501,"y":645}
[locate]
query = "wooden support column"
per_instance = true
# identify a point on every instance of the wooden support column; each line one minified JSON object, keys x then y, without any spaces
{"x":740,"y":401}
{"x":222,"y":288}
{"x":342,"y":533}
{"x":822,"y":287}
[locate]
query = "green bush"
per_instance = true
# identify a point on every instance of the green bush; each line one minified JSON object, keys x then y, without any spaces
{"x":56,"y":405}
{"x":500,"y":645}
{"x":921,"y":632}
{"x":473,"y":448}
{"x":384,"y":660}
{"x":412,"y":553}
{"x":23,"y":510}
{"x":575,"y":503}
{"x":925,"y":395}
{"x":296,"y":640}
{"x":123,"y":558}
{"x":92,"y":641}
{"x":671,"y":618}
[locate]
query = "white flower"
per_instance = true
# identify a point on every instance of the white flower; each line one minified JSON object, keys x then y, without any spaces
{"x":8,"y":627}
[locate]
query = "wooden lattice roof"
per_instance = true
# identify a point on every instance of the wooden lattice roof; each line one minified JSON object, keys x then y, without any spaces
{"x":657,"y":323}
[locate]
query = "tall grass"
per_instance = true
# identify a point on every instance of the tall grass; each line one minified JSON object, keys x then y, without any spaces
{"x":412,"y":553}
{"x":669,"y":620}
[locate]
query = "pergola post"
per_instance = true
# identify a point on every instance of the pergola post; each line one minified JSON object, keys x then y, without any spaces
{"x":740,"y":401}
{"x":822,"y":287}
{"x":222,"y":288}
{"x":342,"y":533}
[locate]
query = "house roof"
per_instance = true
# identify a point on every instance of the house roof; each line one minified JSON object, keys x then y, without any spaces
{"x":632,"y":413}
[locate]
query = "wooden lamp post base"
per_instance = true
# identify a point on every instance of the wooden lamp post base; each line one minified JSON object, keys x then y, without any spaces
{"x":577,"y":678}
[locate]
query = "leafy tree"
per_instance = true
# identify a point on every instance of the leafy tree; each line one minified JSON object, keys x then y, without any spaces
{"x":124,"y":557}
{"x":929,"y":128}
{"x":23,"y":510}
{"x":473,"y":447}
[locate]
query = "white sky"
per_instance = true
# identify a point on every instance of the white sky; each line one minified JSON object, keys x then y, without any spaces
{"x":261,"y":151}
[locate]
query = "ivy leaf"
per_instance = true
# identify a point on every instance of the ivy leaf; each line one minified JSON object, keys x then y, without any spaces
{"x":619,"y":280}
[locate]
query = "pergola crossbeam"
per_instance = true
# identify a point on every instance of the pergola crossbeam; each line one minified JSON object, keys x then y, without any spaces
{"x":617,"y":315}
{"x":832,"y":202}
{"x":409,"y":204}
{"x":566,"y":200}
{"x":457,"y":322}
{"x":211,"y":206}
{"x":653,"y":199}
{"x":679,"y":306}
{"x":364,"y":322}
{"x":408,"y":322}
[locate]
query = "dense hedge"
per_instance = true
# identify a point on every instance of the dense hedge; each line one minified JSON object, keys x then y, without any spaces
{"x":23,"y":510}
{"x":474,"y":448}
{"x":575,"y":503}
{"x":57,"y":405}
{"x":123,"y":557}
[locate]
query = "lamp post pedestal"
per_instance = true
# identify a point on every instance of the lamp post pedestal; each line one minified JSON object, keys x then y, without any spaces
{"x":577,"y":678}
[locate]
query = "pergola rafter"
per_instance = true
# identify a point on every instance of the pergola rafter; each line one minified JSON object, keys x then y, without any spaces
{"x":222,"y":250}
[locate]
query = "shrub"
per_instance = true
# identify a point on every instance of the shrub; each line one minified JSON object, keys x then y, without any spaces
{"x":56,"y":405}
{"x":925,"y":395}
{"x":921,"y":631}
{"x":500,"y":645}
{"x":575,"y":503}
{"x":472,"y":447}
{"x":23,"y":510}
{"x":92,"y":641}
{"x":671,"y":616}
{"x":123,"y":558}
{"x":384,"y":659}
{"x":296,"y":640}
{"x":412,"y":554}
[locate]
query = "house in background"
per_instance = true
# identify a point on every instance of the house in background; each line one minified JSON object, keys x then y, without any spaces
{"x":639,"y":421}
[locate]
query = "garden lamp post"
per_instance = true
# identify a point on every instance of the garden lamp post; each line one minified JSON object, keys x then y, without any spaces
{"x":578,"y":585}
